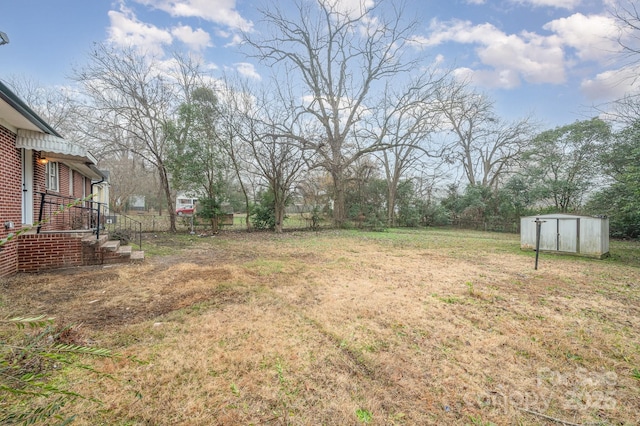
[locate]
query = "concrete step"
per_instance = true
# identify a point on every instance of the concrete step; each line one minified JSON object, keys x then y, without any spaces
{"x":111,"y":245}
{"x":91,"y":239}
{"x":137,"y":256}
{"x":124,"y":251}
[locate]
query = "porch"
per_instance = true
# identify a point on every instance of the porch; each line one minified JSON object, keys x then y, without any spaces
{"x":75,"y":232}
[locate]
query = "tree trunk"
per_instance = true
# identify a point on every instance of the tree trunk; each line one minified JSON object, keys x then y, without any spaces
{"x":247,"y":206}
{"x":164,"y":181}
{"x":339,"y":213}
{"x":279,"y":206}
{"x":391,"y":202}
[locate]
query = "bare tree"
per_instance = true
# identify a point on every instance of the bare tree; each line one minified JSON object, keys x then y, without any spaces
{"x":626,"y":110}
{"x":234,"y":128}
{"x":127,"y":175}
{"x":481,"y":142}
{"x":337,"y":60}
{"x":130,"y":101}
{"x":405,"y":126}
{"x":54,"y":104}
{"x":627,"y":15}
{"x":278,"y":159}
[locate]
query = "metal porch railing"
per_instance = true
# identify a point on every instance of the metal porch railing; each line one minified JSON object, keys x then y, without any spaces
{"x":59,"y":213}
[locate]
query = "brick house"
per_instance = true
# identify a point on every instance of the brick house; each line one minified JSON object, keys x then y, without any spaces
{"x":42,"y":176}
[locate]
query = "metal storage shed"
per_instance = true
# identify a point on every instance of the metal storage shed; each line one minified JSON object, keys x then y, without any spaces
{"x":565,"y":233}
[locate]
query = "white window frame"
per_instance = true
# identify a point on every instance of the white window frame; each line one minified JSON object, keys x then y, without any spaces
{"x":52,"y":176}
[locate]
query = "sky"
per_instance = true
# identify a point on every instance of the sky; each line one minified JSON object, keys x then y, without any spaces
{"x":553,"y":59}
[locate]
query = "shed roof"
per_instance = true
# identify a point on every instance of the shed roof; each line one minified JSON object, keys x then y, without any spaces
{"x":560,"y":216}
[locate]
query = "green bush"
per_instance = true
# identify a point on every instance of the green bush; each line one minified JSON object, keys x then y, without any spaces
{"x":263,"y":214}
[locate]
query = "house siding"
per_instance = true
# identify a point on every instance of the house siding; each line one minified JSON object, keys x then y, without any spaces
{"x":10,"y":198}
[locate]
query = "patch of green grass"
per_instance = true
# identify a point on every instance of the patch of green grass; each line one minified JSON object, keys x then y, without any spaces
{"x":265,"y":267}
{"x":573,"y":357}
{"x":234,"y":389}
{"x":363,"y":415}
{"x":477,"y":421}
{"x":624,"y":252}
{"x":470,"y":288}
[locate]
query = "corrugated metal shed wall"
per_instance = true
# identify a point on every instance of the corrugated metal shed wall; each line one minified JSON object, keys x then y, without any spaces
{"x":581,"y":235}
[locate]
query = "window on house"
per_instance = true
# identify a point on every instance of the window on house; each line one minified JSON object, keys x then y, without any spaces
{"x":51,"y":176}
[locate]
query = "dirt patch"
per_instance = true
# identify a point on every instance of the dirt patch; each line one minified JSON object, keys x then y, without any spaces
{"x":108,"y":297}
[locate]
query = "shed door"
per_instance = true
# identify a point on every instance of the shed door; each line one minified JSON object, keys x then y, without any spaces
{"x":568,"y":235}
{"x":549,"y":235}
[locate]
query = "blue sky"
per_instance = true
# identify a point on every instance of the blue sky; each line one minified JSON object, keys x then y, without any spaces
{"x":552,"y":58}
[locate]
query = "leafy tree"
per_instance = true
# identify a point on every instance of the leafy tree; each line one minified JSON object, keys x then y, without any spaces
{"x":263,"y":214}
{"x":366,"y":194}
{"x":196,"y":158}
{"x":621,"y":199}
{"x":516,"y":197}
{"x":410,"y":207}
{"x":563,"y":162}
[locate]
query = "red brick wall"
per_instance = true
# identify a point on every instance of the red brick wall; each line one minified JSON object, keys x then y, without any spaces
{"x":48,"y":251}
{"x":38,"y":174}
{"x":10,"y":198}
{"x":63,"y":180}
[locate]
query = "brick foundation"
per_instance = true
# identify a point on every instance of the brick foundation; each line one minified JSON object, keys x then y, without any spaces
{"x":54,"y":250}
{"x":38,"y":252}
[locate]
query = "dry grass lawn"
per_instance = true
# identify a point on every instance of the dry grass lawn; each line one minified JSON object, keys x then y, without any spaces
{"x":405,"y":327}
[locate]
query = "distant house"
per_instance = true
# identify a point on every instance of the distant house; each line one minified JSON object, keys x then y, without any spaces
{"x":46,"y":181}
{"x":137,"y":202}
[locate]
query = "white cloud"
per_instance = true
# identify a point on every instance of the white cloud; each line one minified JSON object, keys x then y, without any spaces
{"x":476,"y":1}
{"x":529,"y":56}
{"x":504,"y":79}
{"x":352,"y":6}
{"x":222,"y":12}
{"x":196,"y":40}
{"x":560,"y":4}
{"x":593,"y":37}
{"x":506,"y":59}
{"x":248,"y":70}
{"x":126,"y":30}
{"x":612,"y":84}
{"x":236,"y":40}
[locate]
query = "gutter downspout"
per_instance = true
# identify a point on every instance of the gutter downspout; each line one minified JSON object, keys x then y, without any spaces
{"x":99,"y":209}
